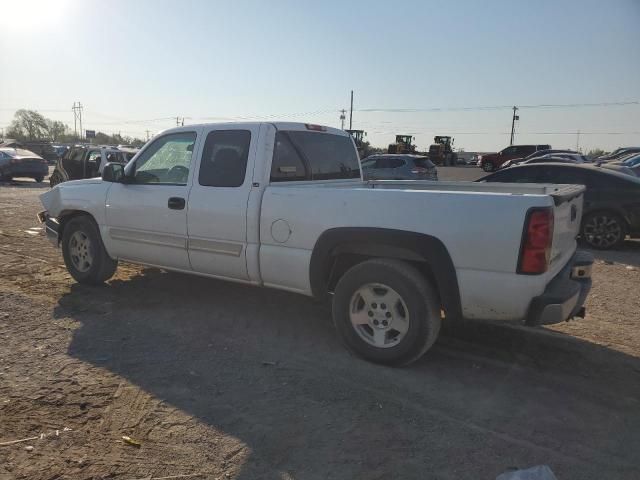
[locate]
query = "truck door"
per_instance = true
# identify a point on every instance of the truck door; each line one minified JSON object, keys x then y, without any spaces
{"x":147,"y":216}
{"x":217,"y":219}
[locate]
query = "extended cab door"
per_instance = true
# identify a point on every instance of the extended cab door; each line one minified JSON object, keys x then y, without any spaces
{"x":217,"y":220}
{"x":146,"y":218}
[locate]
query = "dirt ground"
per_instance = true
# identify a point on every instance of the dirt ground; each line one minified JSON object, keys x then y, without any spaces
{"x":217,"y":380}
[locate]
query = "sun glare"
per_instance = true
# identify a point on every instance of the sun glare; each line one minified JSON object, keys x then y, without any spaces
{"x":28,"y":14}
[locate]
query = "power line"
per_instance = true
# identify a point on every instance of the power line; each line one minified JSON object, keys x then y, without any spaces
{"x":496,"y":107}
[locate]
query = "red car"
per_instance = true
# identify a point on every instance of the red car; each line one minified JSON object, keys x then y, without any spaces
{"x":492,"y":161}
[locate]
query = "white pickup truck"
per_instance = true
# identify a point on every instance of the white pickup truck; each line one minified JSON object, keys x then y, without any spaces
{"x":283,"y":205}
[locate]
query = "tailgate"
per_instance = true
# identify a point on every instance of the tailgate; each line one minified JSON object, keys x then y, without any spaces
{"x":567,"y":215}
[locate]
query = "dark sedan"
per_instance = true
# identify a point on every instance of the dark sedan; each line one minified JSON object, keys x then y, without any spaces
{"x":22,"y":163}
{"x":611,"y":202}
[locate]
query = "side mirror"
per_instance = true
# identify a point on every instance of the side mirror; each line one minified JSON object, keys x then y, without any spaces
{"x":113,"y":172}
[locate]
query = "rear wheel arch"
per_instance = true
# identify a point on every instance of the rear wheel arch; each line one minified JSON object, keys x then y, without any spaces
{"x":339,"y":249}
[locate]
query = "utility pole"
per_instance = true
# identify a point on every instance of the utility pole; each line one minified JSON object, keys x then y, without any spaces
{"x":578,"y":141}
{"x":148,"y":134}
{"x":351,"y":112}
{"x":342,"y":118}
{"x":77,"y":118}
{"x":513,"y":123}
{"x":179,"y":122}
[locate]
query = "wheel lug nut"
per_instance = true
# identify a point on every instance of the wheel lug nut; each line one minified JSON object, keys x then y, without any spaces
{"x":383,"y":306}
{"x":388,"y":314}
{"x":370,"y":313}
{"x":374,"y":305}
{"x":375,"y":322}
{"x":385,"y":323}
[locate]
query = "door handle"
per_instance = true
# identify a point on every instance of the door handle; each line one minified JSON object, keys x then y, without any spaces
{"x":176,"y":203}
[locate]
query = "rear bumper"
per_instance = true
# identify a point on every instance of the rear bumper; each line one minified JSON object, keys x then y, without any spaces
{"x":51,"y":228}
{"x":565,"y":295}
{"x":26,"y":170}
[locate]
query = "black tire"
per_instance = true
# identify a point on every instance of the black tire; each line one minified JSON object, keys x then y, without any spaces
{"x":488,"y":167}
{"x":603,"y":230}
{"x":93,"y":265}
{"x":39,"y":178}
{"x":422,"y":305}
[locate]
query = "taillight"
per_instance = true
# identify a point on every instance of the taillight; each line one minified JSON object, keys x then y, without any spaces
{"x":316,"y":128}
{"x":537,"y":237}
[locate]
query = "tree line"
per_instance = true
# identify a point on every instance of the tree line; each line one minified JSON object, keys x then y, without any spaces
{"x":32,"y":126}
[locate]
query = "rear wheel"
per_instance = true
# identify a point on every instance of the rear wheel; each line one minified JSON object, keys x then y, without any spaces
{"x":84,"y":254}
{"x":39,"y":178}
{"x":487,"y":167}
{"x":386,"y":312}
{"x":603,"y":230}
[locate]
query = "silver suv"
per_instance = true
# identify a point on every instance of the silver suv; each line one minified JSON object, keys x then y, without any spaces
{"x":398,"y":167}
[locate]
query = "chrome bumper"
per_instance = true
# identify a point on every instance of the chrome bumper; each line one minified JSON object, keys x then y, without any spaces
{"x":565,"y":295}
{"x":51,"y":228}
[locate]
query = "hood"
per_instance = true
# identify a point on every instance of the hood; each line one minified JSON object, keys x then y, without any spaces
{"x":66,"y":194}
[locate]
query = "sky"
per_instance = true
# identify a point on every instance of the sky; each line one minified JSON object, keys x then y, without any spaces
{"x":459,"y":65}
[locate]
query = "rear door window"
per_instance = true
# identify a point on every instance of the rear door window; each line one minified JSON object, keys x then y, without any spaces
{"x":224,"y":158}
{"x":389,"y":162}
{"x":551,"y":174}
{"x":422,"y":162}
{"x":516,"y":175}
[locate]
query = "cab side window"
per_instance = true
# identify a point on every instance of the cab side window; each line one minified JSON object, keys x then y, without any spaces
{"x":224,"y":158}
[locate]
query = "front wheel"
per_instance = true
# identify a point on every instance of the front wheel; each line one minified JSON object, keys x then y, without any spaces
{"x":386,"y":312}
{"x":603,"y":230}
{"x":39,"y":178}
{"x":84,"y":254}
{"x":487,"y":167}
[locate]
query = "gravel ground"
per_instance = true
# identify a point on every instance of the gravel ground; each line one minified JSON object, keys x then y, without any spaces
{"x":218,"y":380}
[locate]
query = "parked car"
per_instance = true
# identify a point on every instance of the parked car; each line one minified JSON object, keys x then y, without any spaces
{"x":554,"y":158}
{"x":60,"y":150}
{"x":398,"y":167}
{"x":492,"y":161}
{"x":617,"y":154}
{"x":629,"y":160}
{"x":16,"y":162}
{"x":83,"y":161}
{"x":619,"y":168}
{"x":611,"y":202}
{"x":550,"y":153}
{"x":283,"y":205}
